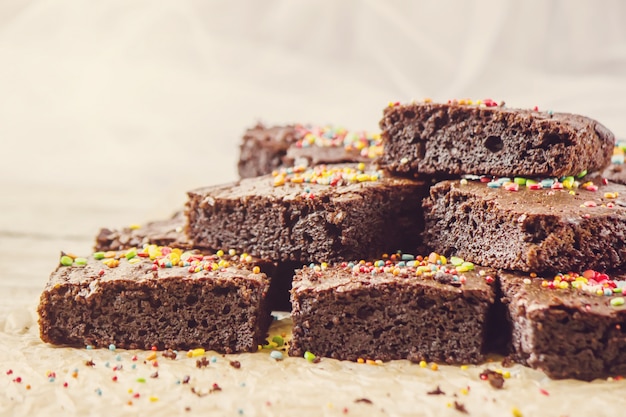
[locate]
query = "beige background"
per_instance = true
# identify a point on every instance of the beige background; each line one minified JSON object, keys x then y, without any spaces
{"x":111,"y":110}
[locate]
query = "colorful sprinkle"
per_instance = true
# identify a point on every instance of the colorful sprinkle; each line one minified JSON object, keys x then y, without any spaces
{"x":276,"y":355}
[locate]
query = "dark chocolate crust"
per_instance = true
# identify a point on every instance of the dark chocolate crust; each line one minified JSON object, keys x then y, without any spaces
{"x":169,"y":232}
{"x":564,"y":332}
{"x":342,"y":315}
{"x":528,"y":230}
{"x":446,"y":140}
{"x":325,"y":223}
{"x":134,"y":306}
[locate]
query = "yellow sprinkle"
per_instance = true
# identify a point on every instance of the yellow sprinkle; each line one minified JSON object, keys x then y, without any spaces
{"x":259,"y":348}
{"x":130,"y":390}
{"x":464,"y":367}
{"x":564,"y":285}
{"x":220,"y":253}
{"x":256,"y":270}
{"x":423,"y":364}
{"x":154,"y":399}
{"x":329,"y":405}
{"x":610,"y":195}
{"x":195,"y":353}
{"x":370,"y":362}
{"x":506,"y":374}
{"x":428,"y":100}
{"x":449,"y":405}
{"x":361,"y":166}
{"x":516,"y":412}
{"x":134,"y":261}
{"x":379,"y":362}
{"x":232,"y":252}
{"x":134,"y":226}
{"x":464,"y":391}
{"x":152,"y":356}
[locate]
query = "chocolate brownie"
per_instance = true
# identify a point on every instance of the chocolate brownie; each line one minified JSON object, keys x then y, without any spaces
{"x":264,"y":149}
{"x":420,"y":309}
{"x":309,"y":214}
{"x":159,"y":297}
{"x":461,"y":137}
{"x":563,"y":327}
{"x":169,"y":232}
{"x":616,"y":172}
{"x":534,"y":227}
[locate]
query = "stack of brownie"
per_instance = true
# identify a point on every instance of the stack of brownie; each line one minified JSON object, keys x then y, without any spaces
{"x":408,"y":245}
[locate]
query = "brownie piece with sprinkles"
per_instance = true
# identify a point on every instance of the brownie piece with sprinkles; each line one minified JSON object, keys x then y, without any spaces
{"x":158,"y":296}
{"x":532,"y":226}
{"x":569,"y":326}
{"x":485,"y":138}
{"x":400,"y":307}
{"x":168,"y":232}
{"x":334,"y":213}
{"x":265,"y":149}
{"x":616,"y":172}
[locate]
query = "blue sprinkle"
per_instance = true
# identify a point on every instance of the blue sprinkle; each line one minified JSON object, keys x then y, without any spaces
{"x":240,"y":411}
{"x":213,"y":359}
{"x":178,"y":382}
{"x":51,"y":379}
{"x":106,"y":364}
{"x":401,"y":263}
{"x":311,"y":265}
{"x":134,"y":366}
{"x":243,"y":384}
{"x":494,"y":184}
{"x":608,"y":291}
{"x":89,"y":347}
{"x":118,"y":358}
{"x":550,"y":112}
{"x":98,"y":391}
{"x":350,"y":265}
{"x":112,"y":347}
{"x":407,"y":257}
{"x":276,"y":355}
{"x":411,"y":263}
{"x":547,"y":183}
{"x":503,"y":180}
{"x":617,"y":159}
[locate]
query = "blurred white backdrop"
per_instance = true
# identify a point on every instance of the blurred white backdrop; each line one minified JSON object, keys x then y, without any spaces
{"x":102,"y":98}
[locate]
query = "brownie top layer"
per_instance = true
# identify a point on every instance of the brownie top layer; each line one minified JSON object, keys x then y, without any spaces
{"x":435,"y":271}
{"x":150,"y":264}
{"x":570,"y":198}
{"x":589,"y":292}
{"x":322,"y":181}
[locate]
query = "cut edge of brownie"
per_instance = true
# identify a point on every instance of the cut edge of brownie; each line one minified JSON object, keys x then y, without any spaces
{"x":381,"y":316}
{"x":137,"y":306}
{"x":453,"y":139}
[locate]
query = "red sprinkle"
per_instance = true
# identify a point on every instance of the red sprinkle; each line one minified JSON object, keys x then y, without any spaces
{"x":114,"y":378}
{"x":65,"y":385}
{"x":544,"y":392}
{"x":10,"y":371}
{"x":18,"y":379}
{"x":153,"y":348}
{"x":101,"y":272}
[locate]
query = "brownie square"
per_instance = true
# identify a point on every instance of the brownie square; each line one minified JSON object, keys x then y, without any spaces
{"x":265,"y":149}
{"x":616,"y":171}
{"x":325,"y":213}
{"x":551,"y":228}
{"x":156,"y":297}
{"x":463,"y":137}
{"x":392,"y":309}
{"x":567,"y":332}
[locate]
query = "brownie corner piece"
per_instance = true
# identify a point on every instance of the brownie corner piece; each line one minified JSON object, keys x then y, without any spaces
{"x":416,"y":310}
{"x":177,"y":300}
{"x":263,"y":148}
{"x":563,"y":327}
{"x":464,"y":137}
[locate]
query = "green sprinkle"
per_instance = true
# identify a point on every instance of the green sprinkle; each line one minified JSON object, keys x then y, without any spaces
{"x":66,"y":260}
{"x":81,"y":261}
{"x":465,"y":266}
{"x":98,"y":255}
{"x":309,"y":356}
{"x":456,"y":261}
{"x":142,"y":380}
{"x":582,"y":173}
{"x":278,"y":340}
{"x":519,"y":180}
{"x":131,"y":254}
{"x":615,"y":302}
